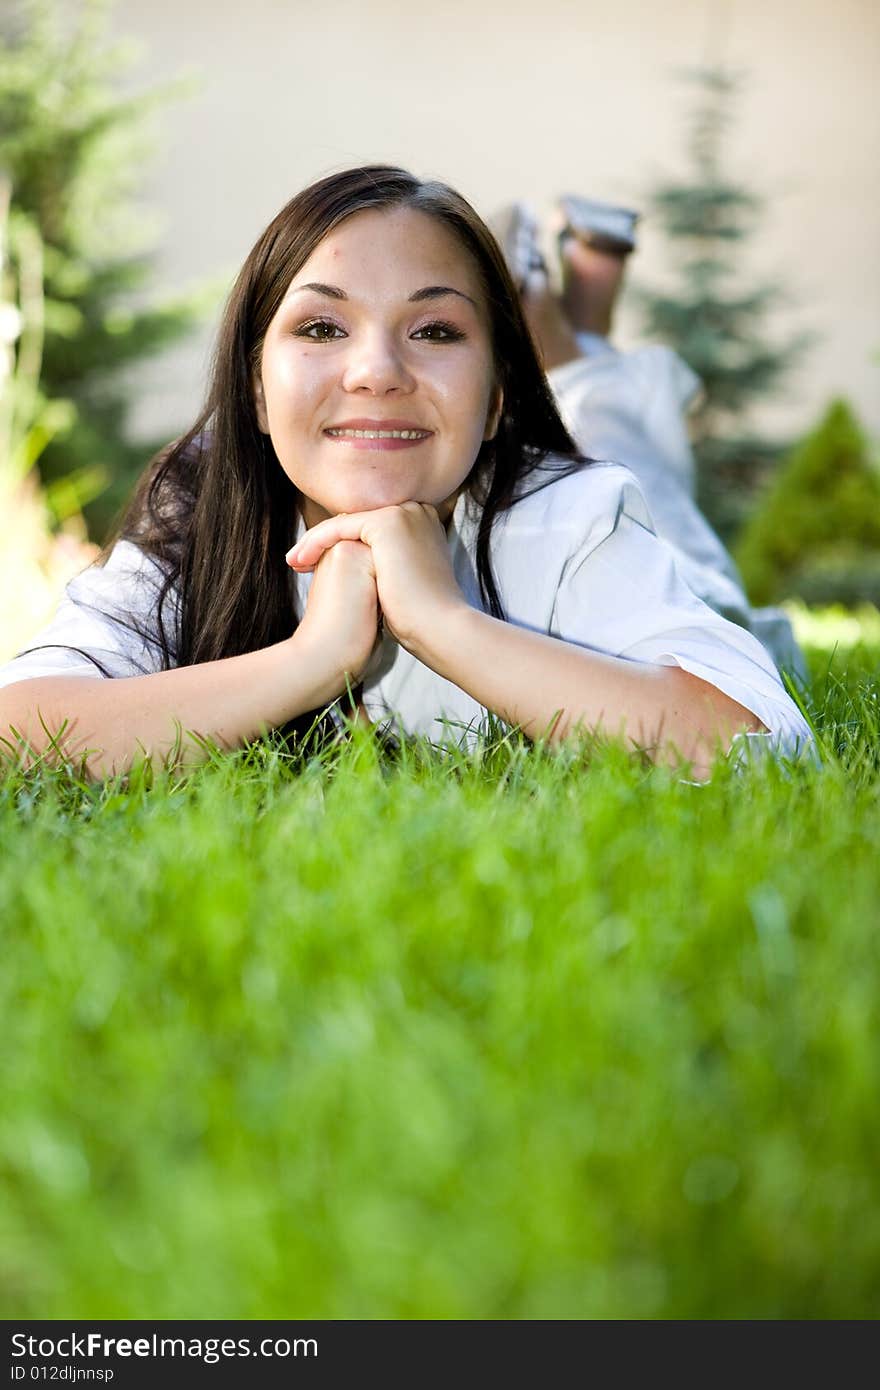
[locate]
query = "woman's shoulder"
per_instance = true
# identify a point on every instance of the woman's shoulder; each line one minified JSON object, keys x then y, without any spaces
{"x":107,"y":621}
{"x":125,"y":560}
{"x":563,"y":514}
{"x":582,"y":501}
{"x":127,"y":580}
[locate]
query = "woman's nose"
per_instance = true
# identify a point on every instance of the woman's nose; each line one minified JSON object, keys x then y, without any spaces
{"x":375,"y":363}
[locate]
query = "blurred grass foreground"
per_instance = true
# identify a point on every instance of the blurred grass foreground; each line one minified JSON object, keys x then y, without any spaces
{"x":515,"y":1035}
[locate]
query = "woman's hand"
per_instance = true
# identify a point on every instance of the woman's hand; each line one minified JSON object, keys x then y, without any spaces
{"x":416,"y":585}
{"x":342,"y":611}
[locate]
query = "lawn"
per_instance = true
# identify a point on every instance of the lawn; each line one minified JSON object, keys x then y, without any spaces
{"x":518,"y":1035}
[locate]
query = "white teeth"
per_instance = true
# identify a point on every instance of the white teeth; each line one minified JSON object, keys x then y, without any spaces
{"x":379,"y":434}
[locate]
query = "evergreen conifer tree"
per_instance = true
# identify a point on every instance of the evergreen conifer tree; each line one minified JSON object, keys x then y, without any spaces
{"x":73,"y":149}
{"x":816,"y":536}
{"x":716,"y":325}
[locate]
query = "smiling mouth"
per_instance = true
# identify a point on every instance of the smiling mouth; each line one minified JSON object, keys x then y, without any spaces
{"x":378,"y":434}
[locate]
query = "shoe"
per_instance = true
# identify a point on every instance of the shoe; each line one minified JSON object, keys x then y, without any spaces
{"x":602,"y":225}
{"x":517,"y":231}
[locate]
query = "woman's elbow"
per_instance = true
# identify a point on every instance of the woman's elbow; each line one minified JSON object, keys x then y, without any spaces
{"x":709,"y":720}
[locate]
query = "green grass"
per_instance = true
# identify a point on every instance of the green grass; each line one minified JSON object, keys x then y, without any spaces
{"x":513,"y":1036}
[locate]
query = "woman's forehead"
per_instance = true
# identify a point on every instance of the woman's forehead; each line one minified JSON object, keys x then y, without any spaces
{"x":395,"y":251}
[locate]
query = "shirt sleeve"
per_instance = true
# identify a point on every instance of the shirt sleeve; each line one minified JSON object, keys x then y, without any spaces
{"x":626,"y":596}
{"x":106,"y":624}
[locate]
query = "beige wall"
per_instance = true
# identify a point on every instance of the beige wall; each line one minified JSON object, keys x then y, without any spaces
{"x":511,"y":100}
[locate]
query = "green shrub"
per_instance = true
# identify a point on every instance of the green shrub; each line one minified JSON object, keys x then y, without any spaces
{"x":817,"y":534}
{"x":73,"y":149}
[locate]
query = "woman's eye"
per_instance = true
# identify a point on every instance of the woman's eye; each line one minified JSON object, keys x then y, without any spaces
{"x":439,"y":333}
{"x":320,"y":330}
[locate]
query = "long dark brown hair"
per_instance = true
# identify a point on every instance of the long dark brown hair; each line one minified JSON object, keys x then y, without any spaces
{"x":216,"y":509}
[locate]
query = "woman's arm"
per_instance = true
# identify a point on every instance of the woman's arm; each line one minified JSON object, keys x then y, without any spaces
{"x":543,"y":684}
{"x":549,"y":687}
{"x":111,"y":723}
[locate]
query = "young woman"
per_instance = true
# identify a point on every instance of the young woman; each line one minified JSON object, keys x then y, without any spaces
{"x":380,"y":494}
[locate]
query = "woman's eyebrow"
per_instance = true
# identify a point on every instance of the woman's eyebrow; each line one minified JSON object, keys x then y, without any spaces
{"x":429,"y":292}
{"x":438,"y":292}
{"x":333,"y":291}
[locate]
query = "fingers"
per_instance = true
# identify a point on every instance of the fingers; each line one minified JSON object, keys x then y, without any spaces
{"x":351,"y":526}
{"x":308,"y":551}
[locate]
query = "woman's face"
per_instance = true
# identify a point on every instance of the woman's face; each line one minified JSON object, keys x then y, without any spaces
{"x":377,"y":382}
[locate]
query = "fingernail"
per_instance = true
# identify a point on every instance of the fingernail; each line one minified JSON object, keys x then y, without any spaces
{"x":291,"y":554}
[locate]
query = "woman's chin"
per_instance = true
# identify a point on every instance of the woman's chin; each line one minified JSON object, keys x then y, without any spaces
{"x":371,"y":501}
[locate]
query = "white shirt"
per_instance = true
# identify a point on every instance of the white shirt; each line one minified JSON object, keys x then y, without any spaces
{"x":578,"y":560}
{"x":632,"y":407}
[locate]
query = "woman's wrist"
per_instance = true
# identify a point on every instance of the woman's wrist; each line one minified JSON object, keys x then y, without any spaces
{"x":318,"y":670}
{"x":441,"y":639}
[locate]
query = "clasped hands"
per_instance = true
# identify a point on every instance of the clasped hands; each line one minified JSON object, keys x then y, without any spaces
{"x":394,"y":562}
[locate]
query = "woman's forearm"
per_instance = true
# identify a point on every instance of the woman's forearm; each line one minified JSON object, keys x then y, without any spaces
{"x":111,"y":723}
{"x":548,"y":687}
